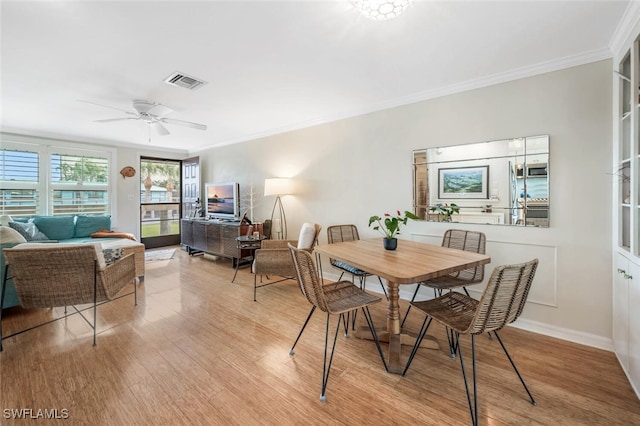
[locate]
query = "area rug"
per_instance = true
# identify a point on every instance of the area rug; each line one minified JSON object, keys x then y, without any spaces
{"x":155,"y":255}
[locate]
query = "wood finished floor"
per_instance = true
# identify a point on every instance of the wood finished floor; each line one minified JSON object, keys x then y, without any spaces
{"x":198,"y":350}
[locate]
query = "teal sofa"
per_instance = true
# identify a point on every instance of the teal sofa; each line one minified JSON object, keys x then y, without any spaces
{"x":56,"y":229}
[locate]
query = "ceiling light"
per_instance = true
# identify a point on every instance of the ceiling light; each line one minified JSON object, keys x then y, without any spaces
{"x":381,"y":10}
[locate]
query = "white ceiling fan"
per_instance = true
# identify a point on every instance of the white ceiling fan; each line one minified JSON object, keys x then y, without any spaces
{"x":151,"y":113}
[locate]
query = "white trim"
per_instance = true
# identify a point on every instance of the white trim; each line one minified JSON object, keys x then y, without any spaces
{"x":575,"y":336}
{"x":553,"y":303}
{"x":580,"y":337}
{"x":502,"y":77}
{"x":626,"y":373}
{"x":625,"y":29}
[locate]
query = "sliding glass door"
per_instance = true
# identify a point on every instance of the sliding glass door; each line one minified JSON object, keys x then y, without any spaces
{"x":160,"y":187}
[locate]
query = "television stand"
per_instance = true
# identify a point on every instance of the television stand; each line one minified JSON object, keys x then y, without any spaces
{"x":215,"y":237}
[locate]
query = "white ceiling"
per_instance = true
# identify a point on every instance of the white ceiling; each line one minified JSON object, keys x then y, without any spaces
{"x":270,"y":66}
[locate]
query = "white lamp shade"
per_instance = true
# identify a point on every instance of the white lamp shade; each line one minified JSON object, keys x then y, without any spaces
{"x":277,"y":186}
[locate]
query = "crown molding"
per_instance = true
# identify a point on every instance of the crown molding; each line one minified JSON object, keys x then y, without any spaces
{"x":626,"y":29}
{"x":503,"y":77}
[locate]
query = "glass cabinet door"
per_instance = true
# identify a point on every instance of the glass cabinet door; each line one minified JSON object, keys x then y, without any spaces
{"x":626,"y":115}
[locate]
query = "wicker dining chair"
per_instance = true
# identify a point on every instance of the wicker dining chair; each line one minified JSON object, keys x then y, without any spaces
{"x":337,"y":298}
{"x":53,"y":275}
{"x":460,"y":239}
{"x":341,"y":233}
{"x":273,"y":257}
{"x":501,"y":303}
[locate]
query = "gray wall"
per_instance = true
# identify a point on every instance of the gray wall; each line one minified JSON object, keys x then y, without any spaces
{"x":350,"y":169}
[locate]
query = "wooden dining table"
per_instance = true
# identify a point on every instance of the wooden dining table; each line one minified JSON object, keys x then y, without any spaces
{"x":410,"y":263}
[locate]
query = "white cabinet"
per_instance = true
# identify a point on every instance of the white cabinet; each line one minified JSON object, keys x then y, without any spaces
{"x":626,"y":152}
{"x":626,"y":198}
{"x":621,"y":310}
{"x":626,"y":317}
{"x":634,"y":327}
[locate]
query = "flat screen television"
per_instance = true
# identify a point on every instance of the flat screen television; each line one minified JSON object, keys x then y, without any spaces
{"x":223,"y":200}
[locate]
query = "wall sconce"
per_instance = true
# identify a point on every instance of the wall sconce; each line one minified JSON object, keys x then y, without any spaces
{"x":278,"y":187}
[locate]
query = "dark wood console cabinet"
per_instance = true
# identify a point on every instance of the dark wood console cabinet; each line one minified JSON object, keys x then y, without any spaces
{"x":216,"y":238}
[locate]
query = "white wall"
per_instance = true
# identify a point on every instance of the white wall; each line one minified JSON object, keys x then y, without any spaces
{"x":351,"y":169}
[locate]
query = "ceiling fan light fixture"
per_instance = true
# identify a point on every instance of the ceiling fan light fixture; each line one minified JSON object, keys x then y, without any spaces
{"x":381,"y":10}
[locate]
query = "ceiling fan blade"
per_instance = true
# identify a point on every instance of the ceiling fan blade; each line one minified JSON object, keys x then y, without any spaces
{"x":160,"y":129}
{"x":183,"y":123}
{"x":107,"y":106}
{"x":108,"y":120}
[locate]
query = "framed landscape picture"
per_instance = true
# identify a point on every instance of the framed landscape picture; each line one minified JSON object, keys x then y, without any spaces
{"x":463,"y":182}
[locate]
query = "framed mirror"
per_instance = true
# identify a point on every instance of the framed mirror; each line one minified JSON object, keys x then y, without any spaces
{"x":502,"y":182}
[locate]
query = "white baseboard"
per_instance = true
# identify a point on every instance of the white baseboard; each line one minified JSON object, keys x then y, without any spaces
{"x":580,"y":337}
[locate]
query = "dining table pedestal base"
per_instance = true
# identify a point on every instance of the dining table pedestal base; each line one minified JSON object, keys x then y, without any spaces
{"x":395,"y":344}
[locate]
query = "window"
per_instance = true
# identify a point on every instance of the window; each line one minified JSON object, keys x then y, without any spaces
{"x":55,"y":180}
{"x":79,"y":184}
{"x":19,"y":182}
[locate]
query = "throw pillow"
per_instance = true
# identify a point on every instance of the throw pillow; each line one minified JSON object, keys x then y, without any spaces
{"x":10,"y":236}
{"x":112,"y":255}
{"x":87,"y":225}
{"x":56,"y":227}
{"x":29,"y":231}
{"x":307,"y":236}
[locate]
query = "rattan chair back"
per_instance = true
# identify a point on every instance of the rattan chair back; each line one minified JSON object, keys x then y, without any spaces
{"x":504,"y":297}
{"x":307,"y":278}
{"x":340,"y":233}
{"x":501,"y":303}
{"x":266,"y":228}
{"x":472,"y":241}
{"x":52,"y":275}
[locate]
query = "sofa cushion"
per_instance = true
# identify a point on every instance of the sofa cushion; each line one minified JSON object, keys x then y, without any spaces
{"x":56,"y":227}
{"x":10,"y":236}
{"x":29,"y":231}
{"x":87,"y":225}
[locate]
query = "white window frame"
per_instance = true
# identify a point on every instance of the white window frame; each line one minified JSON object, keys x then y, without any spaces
{"x":45,"y":148}
{"x":54,"y":186}
{"x":40,"y":186}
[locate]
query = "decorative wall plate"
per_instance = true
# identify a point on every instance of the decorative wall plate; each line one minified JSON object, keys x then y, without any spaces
{"x":128,"y":171}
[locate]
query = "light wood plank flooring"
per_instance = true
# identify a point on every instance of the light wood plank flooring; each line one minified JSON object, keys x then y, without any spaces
{"x":198,"y":350}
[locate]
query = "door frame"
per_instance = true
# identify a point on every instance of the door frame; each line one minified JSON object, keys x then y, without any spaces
{"x":161,"y":240}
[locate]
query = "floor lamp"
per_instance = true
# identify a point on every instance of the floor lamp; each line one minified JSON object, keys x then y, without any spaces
{"x":278,"y":187}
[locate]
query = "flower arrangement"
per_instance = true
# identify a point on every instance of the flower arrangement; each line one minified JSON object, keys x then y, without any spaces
{"x":445,"y":211}
{"x":389,"y":226}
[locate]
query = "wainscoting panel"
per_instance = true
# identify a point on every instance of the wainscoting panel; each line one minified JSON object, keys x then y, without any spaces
{"x":544,"y":288}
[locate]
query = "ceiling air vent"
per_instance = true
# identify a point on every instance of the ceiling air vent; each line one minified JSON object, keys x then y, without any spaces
{"x":183,"y":80}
